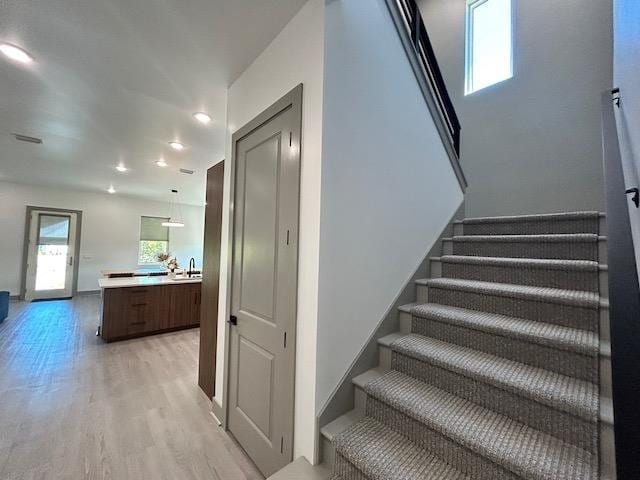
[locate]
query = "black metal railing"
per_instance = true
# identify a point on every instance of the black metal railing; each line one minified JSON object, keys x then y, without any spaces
{"x":415,"y":28}
{"x":624,"y":301}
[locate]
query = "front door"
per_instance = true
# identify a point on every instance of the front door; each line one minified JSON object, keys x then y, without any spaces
{"x":264,"y":286}
{"x":50,"y":255}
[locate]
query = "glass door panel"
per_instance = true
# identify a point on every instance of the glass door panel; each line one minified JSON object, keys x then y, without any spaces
{"x":50,"y":264}
{"x":53,"y":252}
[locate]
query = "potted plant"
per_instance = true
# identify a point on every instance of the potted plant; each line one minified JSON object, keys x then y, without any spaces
{"x":173,"y":264}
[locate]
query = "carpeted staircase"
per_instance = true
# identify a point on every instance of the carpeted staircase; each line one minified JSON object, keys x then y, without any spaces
{"x":499,"y":375}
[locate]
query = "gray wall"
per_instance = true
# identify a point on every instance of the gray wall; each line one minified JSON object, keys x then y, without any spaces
{"x":532,"y":144}
{"x":627,"y":77}
{"x":388,"y":188}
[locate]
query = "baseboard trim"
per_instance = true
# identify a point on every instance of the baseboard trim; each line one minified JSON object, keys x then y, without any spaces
{"x":88,"y":292}
{"x":218,"y":412}
{"x":216,"y":418}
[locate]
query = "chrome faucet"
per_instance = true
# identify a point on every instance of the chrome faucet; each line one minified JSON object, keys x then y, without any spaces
{"x":192,"y":266}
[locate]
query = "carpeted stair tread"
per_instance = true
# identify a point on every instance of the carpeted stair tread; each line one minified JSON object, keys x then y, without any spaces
{"x":527,"y":452}
{"x":561,"y":246}
{"x":537,"y":263}
{"x":563,"y":393}
{"x":577,"y":222}
{"x":544,"y":238}
{"x":574,"y":340}
{"x":383,"y":454}
{"x":542,"y":217}
{"x":576,"y":298}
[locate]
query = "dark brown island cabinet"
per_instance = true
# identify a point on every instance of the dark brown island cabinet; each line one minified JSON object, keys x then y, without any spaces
{"x":134,"y":311}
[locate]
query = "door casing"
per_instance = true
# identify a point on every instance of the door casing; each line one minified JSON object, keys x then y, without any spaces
{"x":293,"y":100}
{"x":25,"y":245}
{"x":211,"y":279}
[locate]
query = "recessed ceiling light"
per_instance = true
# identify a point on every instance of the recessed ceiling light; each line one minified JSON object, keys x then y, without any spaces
{"x":161,"y":163}
{"x":121,"y":168}
{"x":202,"y":117}
{"x":15,"y":53}
{"x":111,"y":189}
{"x":176,"y":145}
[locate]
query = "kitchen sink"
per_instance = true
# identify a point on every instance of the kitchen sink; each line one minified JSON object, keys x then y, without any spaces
{"x":186,"y":279}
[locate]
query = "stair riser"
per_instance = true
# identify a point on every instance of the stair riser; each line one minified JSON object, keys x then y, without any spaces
{"x":345,"y":470}
{"x":560,"y":424}
{"x":436,"y":267}
{"x":328,"y":452}
{"x":605,"y":331}
{"x":555,"y":250}
{"x":456,"y":455}
{"x":607,"y":452}
{"x":535,"y":277}
{"x":603,"y":282}
{"x":405,"y":322}
{"x":565,"y":315}
{"x":605,"y":377}
{"x":447,"y":249}
{"x":384,"y":358}
{"x":533,"y":227}
{"x":561,"y":361}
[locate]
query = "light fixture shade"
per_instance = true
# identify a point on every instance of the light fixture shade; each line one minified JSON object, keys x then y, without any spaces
{"x":172,"y":224}
{"x":174,"y":207}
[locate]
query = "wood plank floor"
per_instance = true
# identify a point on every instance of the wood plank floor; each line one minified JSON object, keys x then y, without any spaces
{"x":72,"y":407}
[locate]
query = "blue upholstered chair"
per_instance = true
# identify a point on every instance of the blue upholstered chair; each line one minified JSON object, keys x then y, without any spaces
{"x":4,"y":305}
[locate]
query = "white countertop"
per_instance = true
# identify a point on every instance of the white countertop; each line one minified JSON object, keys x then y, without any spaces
{"x":143,"y":271}
{"x":133,"y":271}
{"x":144,"y":281}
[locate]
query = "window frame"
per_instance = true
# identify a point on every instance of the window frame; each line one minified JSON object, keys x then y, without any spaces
{"x":471,"y":5}
{"x":151,"y":264}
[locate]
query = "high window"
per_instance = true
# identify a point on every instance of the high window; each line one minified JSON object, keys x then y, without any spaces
{"x":489,"y":43}
{"x":154,"y":240}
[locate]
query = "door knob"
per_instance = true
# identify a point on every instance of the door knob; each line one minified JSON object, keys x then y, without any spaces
{"x":233,"y":320}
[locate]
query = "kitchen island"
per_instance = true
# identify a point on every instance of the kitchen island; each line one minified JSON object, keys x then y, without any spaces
{"x":138,"y":306}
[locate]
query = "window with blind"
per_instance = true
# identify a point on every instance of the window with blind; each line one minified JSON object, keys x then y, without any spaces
{"x":154,"y":240}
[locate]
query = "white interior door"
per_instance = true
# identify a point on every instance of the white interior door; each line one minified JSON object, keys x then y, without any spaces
{"x":264,"y":288}
{"x":51,"y":255}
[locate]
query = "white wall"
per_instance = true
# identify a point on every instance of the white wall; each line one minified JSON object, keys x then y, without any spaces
{"x":627,"y":78}
{"x":110,"y":230}
{"x":388,"y":189}
{"x":295,"y":56}
{"x":532,"y":143}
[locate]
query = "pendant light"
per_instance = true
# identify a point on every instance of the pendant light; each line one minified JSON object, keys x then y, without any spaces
{"x":174,"y":207}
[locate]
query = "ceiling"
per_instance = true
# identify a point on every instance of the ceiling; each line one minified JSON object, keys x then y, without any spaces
{"x":116,"y":80}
